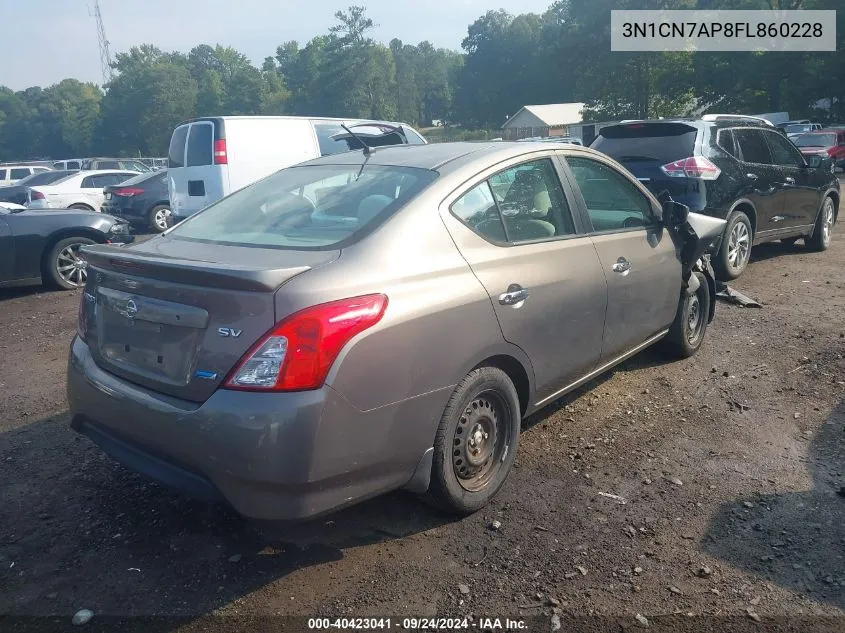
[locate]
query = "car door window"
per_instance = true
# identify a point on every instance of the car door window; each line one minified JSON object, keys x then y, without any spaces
{"x":93,"y":182}
{"x":531,"y":202}
{"x":753,"y":146}
{"x":725,"y":140}
{"x":2,"y":174}
{"x":477,"y":209}
{"x":783,"y":152}
{"x":20,"y":172}
{"x":613,"y":202}
{"x":521,"y":204}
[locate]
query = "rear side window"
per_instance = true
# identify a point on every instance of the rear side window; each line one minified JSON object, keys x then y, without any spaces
{"x":316,"y":207}
{"x":328,"y":145}
{"x":200,"y":145}
{"x":413,"y":137}
{"x":725,"y":140}
{"x":663,"y":142}
{"x":20,"y":172}
{"x":753,"y":146}
{"x":3,"y":173}
{"x":477,"y":209}
{"x":176,"y":153}
{"x":108,"y":164}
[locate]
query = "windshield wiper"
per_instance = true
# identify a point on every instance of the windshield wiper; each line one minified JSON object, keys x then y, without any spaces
{"x":367,"y":149}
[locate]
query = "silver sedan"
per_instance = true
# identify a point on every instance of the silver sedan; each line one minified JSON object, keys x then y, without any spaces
{"x":377,"y":320}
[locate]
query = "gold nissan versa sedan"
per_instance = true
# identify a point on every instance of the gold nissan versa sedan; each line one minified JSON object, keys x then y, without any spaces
{"x":381,"y":319}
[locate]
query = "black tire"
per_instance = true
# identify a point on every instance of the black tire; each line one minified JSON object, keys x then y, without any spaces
{"x":823,"y":230}
{"x":81,"y":207}
{"x":153,"y":218}
{"x":789,"y":241}
{"x":59,"y":257}
{"x":484,"y":403}
{"x":690,"y":325}
{"x":726,"y":270}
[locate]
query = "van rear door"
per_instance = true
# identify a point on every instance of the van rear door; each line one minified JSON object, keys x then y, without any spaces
{"x":196,"y":176}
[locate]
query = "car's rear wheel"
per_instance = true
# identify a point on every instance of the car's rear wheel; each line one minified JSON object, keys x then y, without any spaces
{"x":64,"y":267}
{"x":690,"y":325}
{"x":160,"y":218}
{"x":476,"y":442}
{"x":823,"y":231}
{"x":733,"y":257}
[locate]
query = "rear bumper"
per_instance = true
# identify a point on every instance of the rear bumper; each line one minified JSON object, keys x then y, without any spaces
{"x":270,"y":456}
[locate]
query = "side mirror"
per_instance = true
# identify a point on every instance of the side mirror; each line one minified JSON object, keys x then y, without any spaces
{"x":674,"y":213}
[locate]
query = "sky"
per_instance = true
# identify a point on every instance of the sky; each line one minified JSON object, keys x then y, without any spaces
{"x":45,"y":41}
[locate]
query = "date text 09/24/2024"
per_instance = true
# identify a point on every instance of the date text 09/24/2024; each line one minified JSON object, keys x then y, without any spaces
{"x":418,"y":624}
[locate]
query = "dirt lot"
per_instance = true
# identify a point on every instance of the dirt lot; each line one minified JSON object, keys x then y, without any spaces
{"x":725,"y":470}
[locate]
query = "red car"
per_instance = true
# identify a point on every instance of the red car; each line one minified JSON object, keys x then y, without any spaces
{"x":829,"y":141}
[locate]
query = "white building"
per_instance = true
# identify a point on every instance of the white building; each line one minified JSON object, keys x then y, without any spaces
{"x":551,"y":119}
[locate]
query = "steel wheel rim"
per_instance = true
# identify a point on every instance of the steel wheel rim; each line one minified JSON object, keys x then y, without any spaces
{"x":70,"y":266}
{"x":162,"y":218}
{"x":480,"y":441}
{"x":695,"y":319}
{"x":827,"y":220}
{"x":738,"y":245}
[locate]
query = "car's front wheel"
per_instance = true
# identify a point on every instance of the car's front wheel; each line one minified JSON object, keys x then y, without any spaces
{"x":690,"y":325}
{"x":63,"y":266}
{"x":160,"y":218}
{"x":733,"y":257}
{"x":476,"y":442}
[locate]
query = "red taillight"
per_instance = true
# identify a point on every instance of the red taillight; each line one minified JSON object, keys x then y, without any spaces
{"x":692,"y":167}
{"x":298,"y":352}
{"x":220,"y":155}
{"x":831,"y":151}
{"x":37,"y":195}
{"x":128,"y":192}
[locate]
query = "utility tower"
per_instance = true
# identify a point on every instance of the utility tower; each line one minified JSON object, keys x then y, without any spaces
{"x":105,"y":54}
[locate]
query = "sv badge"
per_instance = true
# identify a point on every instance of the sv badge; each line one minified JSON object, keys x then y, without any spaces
{"x":228,"y":331}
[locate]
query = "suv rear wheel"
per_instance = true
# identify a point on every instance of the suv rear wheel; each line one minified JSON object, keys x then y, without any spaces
{"x":823,"y":230}
{"x":736,"y":247}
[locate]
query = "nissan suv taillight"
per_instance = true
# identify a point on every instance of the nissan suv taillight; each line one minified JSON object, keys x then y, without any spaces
{"x":692,"y":167}
{"x":298,"y":352}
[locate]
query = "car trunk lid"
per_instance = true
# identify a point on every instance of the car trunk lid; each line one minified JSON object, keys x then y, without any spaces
{"x":175,"y":316}
{"x":644,"y":147}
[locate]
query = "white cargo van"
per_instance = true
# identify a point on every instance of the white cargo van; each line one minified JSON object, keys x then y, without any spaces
{"x":209,"y":158}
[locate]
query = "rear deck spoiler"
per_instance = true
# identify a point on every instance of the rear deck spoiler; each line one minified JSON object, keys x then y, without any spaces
{"x":186,"y":271}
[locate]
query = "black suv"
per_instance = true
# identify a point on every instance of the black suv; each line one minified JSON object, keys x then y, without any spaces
{"x":735,"y":168}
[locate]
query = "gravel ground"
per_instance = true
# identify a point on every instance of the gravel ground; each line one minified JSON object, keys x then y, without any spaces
{"x":701,"y":495}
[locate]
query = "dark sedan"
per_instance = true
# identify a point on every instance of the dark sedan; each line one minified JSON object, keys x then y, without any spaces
{"x":42,"y":246}
{"x":21,"y":192}
{"x":143,"y":201}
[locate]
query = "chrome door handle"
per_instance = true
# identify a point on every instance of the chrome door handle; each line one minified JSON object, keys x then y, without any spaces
{"x":752,"y":176}
{"x":621,"y":266}
{"x":779,"y":218}
{"x":515,"y":295}
{"x":789,"y":180}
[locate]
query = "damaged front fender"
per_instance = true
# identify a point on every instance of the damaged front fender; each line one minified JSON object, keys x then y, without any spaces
{"x":699,"y":235}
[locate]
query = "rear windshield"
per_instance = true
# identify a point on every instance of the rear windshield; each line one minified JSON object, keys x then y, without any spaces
{"x":664,"y":142}
{"x":333,"y":139}
{"x":176,"y":153}
{"x":798,"y":128}
{"x":45,"y":178}
{"x":311,"y":207}
{"x":141,"y":178}
{"x":815,"y":140}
